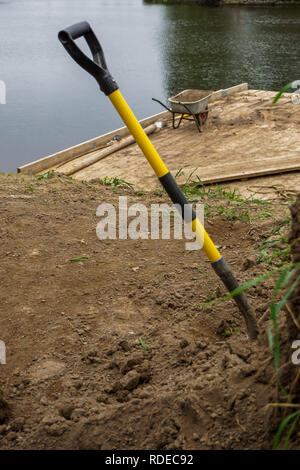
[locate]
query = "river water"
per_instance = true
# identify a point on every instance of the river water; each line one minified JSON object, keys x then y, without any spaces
{"x":152,"y":51}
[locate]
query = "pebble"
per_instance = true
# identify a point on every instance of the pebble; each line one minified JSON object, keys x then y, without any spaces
{"x":131,"y":380}
{"x":11,"y":436}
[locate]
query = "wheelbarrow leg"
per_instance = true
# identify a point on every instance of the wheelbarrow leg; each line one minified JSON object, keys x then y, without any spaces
{"x":195,"y":116}
{"x":179,"y":122}
{"x":198,"y":122}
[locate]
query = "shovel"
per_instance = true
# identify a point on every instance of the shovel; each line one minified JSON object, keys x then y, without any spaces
{"x":98,"y":69}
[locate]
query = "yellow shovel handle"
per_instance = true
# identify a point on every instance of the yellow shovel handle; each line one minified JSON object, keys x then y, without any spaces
{"x":160,"y":168}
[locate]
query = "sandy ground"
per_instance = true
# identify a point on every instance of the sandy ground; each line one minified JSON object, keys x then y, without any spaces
{"x":120,"y":351}
{"x":243,"y":132}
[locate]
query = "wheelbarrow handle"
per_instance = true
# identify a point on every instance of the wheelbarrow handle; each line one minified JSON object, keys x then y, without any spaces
{"x":166,"y":107}
{"x":96,"y":67}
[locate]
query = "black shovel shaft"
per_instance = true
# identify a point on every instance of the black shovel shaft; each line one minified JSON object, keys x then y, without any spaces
{"x":96,"y":67}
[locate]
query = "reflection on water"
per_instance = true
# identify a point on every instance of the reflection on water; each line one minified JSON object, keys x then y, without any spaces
{"x":152,"y":50}
{"x":217,"y":47}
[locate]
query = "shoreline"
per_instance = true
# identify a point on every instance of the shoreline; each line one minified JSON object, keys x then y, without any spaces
{"x":229,"y":3}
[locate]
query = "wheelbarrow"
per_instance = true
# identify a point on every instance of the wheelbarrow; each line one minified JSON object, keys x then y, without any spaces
{"x":192,"y":105}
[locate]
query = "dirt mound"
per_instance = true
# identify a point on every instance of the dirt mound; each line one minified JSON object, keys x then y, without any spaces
{"x":294,"y":240}
{"x":111,"y":344}
{"x":4,"y":409}
{"x":293,"y":306}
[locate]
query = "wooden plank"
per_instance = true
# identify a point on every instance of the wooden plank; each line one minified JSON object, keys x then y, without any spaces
{"x":71,"y":153}
{"x":228,"y":91}
{"x":76,"y":166}
{"x":252,"y":169}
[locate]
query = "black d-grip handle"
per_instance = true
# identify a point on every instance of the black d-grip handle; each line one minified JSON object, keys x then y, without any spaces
{"x":96,"y":67}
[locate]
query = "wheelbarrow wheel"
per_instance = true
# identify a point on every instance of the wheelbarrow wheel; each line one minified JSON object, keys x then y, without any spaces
{"x":203,"y":117}
{"x":200,"y":120}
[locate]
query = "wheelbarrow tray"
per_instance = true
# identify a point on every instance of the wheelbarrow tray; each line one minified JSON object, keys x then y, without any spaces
{"x":194,"y":101}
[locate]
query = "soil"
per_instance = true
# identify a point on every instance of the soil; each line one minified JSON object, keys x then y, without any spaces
{"x":294,"y":320}
{"x":118,"y":351}
{"x":294,"y":240}
{"x":290,"y":374}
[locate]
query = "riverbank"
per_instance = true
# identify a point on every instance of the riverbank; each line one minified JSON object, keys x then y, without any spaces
{"x":254,"y":3}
